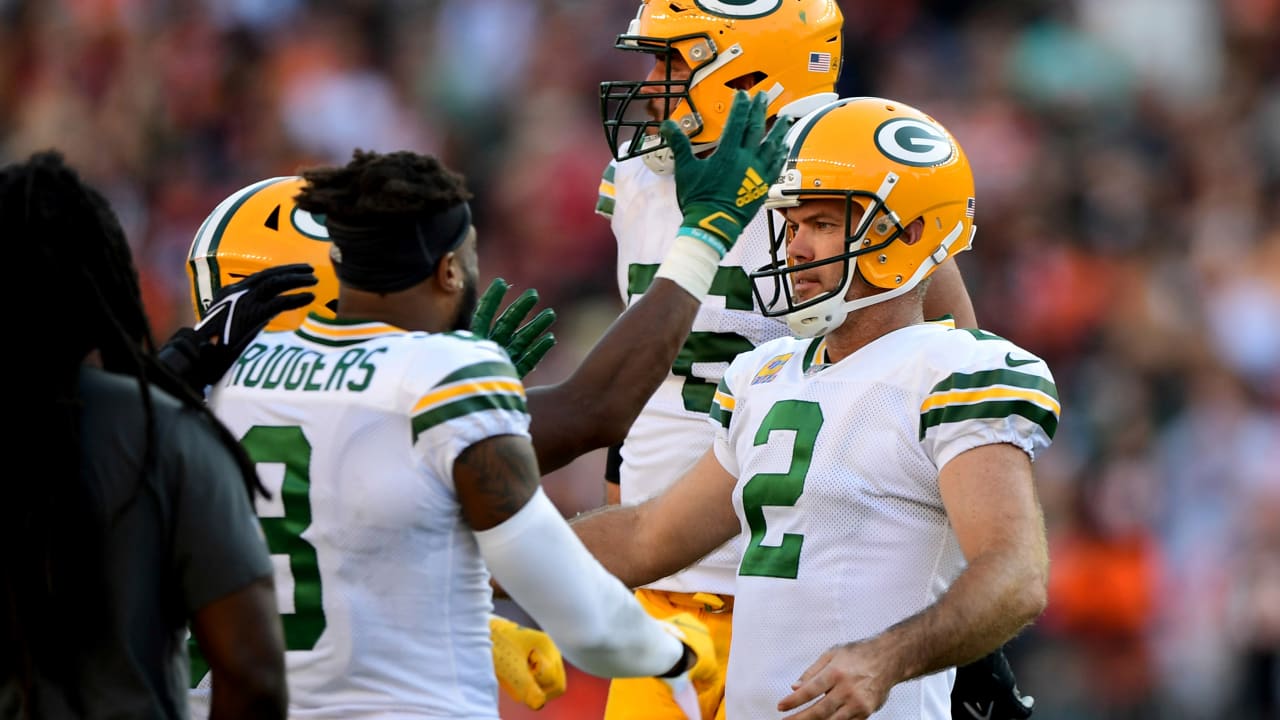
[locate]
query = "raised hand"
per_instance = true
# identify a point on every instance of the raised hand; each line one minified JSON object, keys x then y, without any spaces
{"x":202,"y":354}
{"x":719,"y":194}
{"x":525,"y":344}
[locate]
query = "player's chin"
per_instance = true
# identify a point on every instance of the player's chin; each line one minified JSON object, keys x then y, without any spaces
{"x":804,"y":290}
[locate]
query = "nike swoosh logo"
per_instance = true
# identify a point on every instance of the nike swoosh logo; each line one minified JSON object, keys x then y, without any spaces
{"x":972,"y":708}
{"x":1012,"y":362}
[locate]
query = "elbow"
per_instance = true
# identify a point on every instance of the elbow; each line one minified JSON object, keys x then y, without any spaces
{"x":608,"y":420}
{"x":1031,"y":602}
{"x":602,"y":426}
{"x":1031,"y":594}
{"x":265,"y":696}
{"x":613,"y":431}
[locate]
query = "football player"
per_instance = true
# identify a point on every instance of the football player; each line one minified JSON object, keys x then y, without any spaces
{"x":259,"y":262}
{"x":701,"y":52}
{"x":873,"y":471}
{"x":567,"y":419}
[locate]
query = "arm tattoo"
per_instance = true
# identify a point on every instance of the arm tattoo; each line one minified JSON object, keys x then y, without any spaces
{"x":494,"y":479}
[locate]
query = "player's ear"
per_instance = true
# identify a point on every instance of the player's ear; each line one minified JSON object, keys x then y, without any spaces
{"x":449,"y":273}
{"x":912,"y":232}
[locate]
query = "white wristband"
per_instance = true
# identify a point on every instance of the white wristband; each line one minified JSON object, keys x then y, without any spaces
{"x":691,"y":264}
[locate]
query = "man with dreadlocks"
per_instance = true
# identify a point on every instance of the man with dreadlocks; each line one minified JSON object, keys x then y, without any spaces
{"x":137,"y":520}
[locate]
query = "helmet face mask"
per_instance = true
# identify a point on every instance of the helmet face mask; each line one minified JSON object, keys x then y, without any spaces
{"x":899,"y":164}
{"x":789,"y":49}
{"x":624,"y":103}
{"x":255,"y":228}
{"x":865,"y":232}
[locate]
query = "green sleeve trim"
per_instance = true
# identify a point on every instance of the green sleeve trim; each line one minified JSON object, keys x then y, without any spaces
{"x":489,"y":368}
{"x":465,"y":406}
{"x":989,"y":378}
{"x":995,"y":410}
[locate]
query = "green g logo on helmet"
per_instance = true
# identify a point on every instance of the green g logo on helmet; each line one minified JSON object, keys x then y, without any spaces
{"x":739,"y":8}
{"x":914,"y":142}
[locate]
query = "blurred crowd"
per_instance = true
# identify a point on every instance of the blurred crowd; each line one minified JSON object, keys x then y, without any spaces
{"x":1127,"y":157}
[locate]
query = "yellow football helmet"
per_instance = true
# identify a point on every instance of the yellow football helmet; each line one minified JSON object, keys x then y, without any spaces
{"x":899,"y":165}
{"x":258,"y":227}
{"x":792,"y":49}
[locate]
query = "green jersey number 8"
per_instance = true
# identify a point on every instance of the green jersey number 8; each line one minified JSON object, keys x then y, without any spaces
{"x":779,"y":490}
{"x":289,"y":447}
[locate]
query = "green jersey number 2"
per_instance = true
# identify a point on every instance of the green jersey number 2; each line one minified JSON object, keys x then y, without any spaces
{"x":779,"y":489}
{"x":289,"y":447}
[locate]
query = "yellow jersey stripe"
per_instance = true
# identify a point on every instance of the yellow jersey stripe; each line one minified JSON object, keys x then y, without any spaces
{"x":963,"y":397}
{"x":475,"y":387}
{"x":724,"y":400}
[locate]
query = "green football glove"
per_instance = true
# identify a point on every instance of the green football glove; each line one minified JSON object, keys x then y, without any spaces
{"x":525,"y":344}
{"x":719,"y":194}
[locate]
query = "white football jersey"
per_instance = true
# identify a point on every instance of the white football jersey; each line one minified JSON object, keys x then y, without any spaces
{"x":354,"y":428}
{"x":672,"y":432}
{"x":843,"y":528}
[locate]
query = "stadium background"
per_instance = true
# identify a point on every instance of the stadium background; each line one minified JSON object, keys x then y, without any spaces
{"x":1127,"y":155}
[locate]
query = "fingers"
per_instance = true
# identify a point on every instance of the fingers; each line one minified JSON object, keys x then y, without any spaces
{"x":278,"y":270}
{"x":487,"y":305}
{"x":292,"y":301}
{"x":804,"y":691}
{"x":509,"y":320}
{"x":525,"y":336}
{"x":677,"y":141}
{"x":828,"y":708}
{"x":534,"y":354}
{"x":823,"y":660}
{"x":547,"y":665}
{"x":288,"y":269}
{"x":270,"y":282}
{"x":534,"y":698}
{"x":775,"y":144}
{"x":754,"y":129}
{"x":738,"y":114}
{"x":811,"y":684}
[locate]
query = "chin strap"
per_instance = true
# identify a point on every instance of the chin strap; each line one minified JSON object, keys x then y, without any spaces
{"x":663,"y":162}
{"x":813,"y":324}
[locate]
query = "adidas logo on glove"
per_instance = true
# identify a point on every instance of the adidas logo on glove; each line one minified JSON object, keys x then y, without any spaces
{"x":753,"y":187}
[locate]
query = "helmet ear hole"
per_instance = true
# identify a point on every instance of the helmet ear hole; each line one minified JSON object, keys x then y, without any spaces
{"x":748,"y":81}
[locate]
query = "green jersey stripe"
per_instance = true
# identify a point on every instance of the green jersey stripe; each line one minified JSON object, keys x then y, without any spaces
{"x":465,"y":406}
{"x":332,"y":341}
{"x":718,"y":412}
{"x":605,"y":205}
{"x":481,"y":369}
{"x":811,"y":353}
{"x":994,"y":409}
{"x":720,"y":415}
{"x":988,"y":378}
